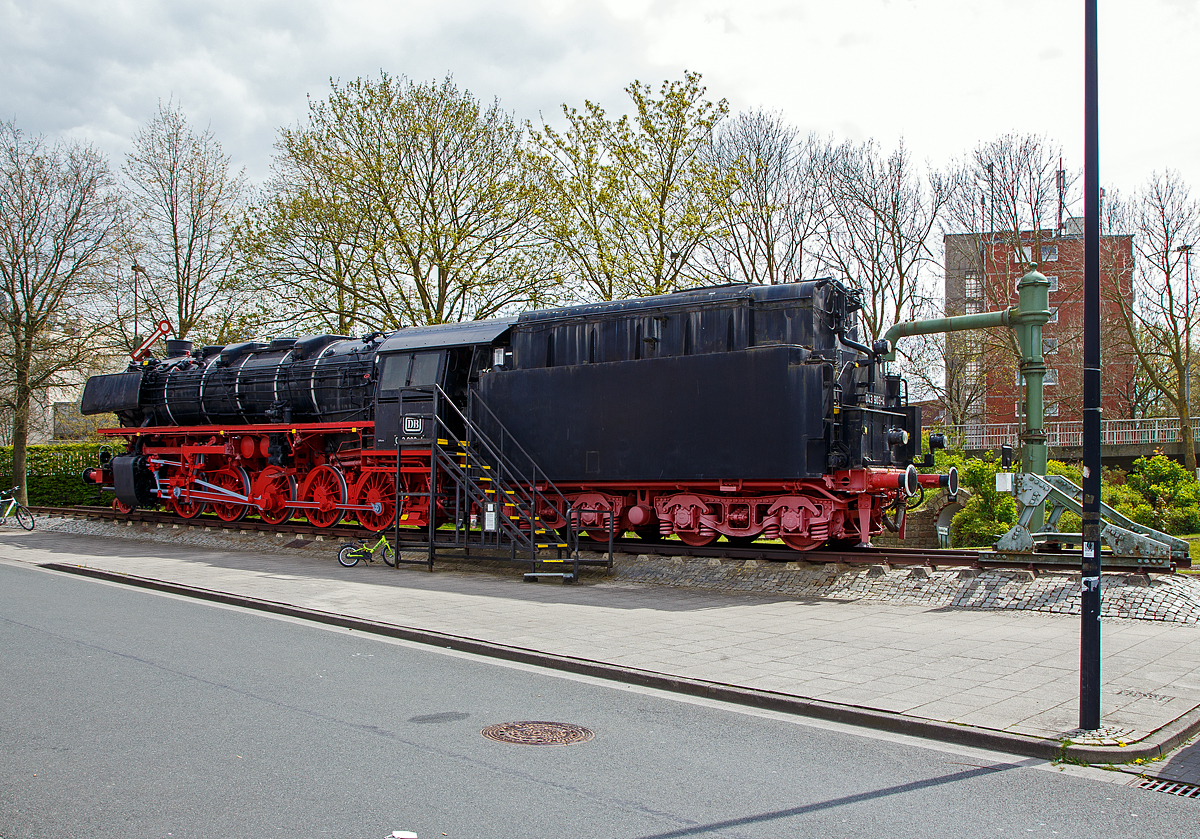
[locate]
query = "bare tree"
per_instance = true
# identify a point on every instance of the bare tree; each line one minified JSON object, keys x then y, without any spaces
{"x":1002,"y":217}
{"x":882,"y":217}
{"x":1159,"y":318}
{"x":59,"y":215}
{"x":947,"y":368}
{"x":186,"y":198}
{"x":772,"y":215}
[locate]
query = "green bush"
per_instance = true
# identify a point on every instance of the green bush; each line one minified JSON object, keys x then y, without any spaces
{"x":987,"y":514}
{"x":1162,"y":494}
{"x":1157,"y":492}
{"x":54,"y":473}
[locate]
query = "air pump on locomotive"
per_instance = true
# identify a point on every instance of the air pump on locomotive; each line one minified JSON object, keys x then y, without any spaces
{"x":746,"y":411}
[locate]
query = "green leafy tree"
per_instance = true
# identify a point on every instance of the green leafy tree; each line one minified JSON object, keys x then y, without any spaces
{"x":305,"y":233}
{"x":403,"y":203}
{"x":630,"y":202}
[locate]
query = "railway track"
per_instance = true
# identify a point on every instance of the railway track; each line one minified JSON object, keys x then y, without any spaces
{"x":412,"y":540}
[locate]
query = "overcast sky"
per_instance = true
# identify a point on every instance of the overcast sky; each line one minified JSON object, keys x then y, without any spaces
{"x":943,"y":74}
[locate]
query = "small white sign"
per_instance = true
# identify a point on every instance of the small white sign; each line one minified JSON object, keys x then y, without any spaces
{"x":1004,"y":482}
{"x":1089,"y":550}
{"x":490,"y":524}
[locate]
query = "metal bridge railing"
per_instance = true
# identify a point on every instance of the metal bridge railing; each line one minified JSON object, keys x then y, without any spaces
{"x":1123,"y":432}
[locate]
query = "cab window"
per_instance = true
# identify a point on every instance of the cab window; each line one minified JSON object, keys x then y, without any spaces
{"x":409,"y":370}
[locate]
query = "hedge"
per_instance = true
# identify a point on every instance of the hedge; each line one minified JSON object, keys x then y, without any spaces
{"x":54,"y":473}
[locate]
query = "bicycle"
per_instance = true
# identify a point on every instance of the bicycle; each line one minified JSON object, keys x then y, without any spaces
{"x":24,"y":517}
{"x":350,"y":553}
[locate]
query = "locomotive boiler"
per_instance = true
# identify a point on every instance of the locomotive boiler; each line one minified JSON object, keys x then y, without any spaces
{"x":745,"y":412}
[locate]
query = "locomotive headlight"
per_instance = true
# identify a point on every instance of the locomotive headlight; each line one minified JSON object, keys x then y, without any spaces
{"x":897,"y":437}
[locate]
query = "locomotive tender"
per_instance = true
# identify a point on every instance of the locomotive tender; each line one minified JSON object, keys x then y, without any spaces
{"x":746,"y":411}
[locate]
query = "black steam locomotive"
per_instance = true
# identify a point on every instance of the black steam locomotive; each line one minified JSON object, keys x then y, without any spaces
{"x":741,"y":411}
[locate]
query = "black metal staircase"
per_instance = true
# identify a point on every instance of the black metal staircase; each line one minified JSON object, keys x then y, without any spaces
{"x":496,"y":496}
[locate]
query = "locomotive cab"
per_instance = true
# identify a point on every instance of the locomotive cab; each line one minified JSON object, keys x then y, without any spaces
{"x":404,"y":398}
{"x":413,"y":362}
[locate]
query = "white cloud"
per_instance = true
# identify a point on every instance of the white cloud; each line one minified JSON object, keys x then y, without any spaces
{"x":944,"y":74}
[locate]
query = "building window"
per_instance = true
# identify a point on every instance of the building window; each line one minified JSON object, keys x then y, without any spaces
{"x":1053,"y":315}
{"x":1050,"y":377}
{"x":1053,"y":278}
{"x":1049,"y":345}
{"x":971,"y":307}
{"x":1050,"y":409}
{"x":972,"y":288}
{"x":1024,"y":255}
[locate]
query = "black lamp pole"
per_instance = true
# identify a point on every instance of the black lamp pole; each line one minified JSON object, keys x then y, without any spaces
{"x":137,"y":269}
{"x":1089,"y":647}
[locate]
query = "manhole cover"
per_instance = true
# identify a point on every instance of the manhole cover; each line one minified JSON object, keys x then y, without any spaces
{"x":538,"y":733}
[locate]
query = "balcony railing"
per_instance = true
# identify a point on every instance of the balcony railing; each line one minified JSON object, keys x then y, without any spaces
{"x":1139,"y":432}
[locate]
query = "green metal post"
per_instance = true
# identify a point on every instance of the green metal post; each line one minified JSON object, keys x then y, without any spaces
{"x":1033,"y":310}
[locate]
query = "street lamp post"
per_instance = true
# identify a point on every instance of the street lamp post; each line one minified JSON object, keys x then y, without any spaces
{"x":137,"y":269}
{"x":1186,"y":250}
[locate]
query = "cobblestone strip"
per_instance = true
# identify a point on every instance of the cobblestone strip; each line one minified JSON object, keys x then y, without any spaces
{"x":1169,"y":598}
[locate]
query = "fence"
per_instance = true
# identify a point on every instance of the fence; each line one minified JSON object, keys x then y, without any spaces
{"x":1140,"y":432}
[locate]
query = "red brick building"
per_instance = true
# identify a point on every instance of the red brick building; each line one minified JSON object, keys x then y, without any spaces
{"x":982,"y":272}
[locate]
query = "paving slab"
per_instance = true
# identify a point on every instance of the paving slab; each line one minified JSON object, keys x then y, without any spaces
{"x":1008,"y":671}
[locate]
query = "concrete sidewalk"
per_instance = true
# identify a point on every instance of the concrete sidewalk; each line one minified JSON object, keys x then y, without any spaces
{"x":1007,"y":674}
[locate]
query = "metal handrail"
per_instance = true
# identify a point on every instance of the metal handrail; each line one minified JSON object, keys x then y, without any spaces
{"x":1122,"y":432}
{"x":505,"y":473}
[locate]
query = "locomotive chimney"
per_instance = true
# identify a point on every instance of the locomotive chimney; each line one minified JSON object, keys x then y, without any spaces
{"x":177,"y":348}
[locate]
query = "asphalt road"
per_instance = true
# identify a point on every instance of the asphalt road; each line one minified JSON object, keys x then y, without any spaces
{"x":132,"y":714}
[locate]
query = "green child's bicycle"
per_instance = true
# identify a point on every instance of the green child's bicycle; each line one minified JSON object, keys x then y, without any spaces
{"x":352,"y":552}
{"x":12,"y":505}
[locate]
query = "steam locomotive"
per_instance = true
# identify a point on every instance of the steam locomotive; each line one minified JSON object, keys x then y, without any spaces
{"x":743,"y":411}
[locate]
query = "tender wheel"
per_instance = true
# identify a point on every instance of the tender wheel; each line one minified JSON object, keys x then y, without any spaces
{"x":24,"y":518}
{"x":348,"y":555}
{"x":800,"y":543}
{"x":696,"y":540}
{"x":376,"y":488}
{"x":232,"y":480}
{"x":275,"y":491}
{"x":187,"y":509}
{"x":326,"y":486}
